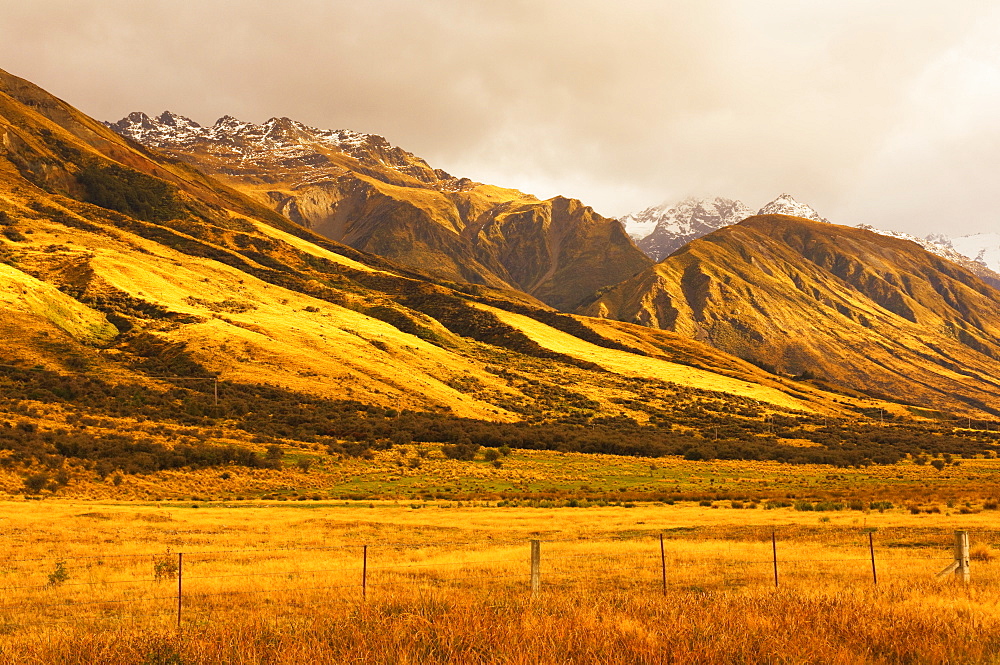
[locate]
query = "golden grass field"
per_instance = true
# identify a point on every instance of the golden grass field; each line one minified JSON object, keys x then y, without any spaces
{"x":94,"y":581}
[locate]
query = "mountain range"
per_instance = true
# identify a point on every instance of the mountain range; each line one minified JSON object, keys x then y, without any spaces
{"x":127,"y":266}
{"x":301,"y":268}
{"x":360,"y":190}
{"x":661,"y":230}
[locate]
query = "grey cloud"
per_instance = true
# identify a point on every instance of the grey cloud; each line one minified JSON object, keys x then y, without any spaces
{"x":619,"y":104}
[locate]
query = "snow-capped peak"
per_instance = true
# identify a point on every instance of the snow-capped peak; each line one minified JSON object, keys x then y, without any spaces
{"x":674,"y":225}
{"x":787,"y":205}
{"x":174,"y":120}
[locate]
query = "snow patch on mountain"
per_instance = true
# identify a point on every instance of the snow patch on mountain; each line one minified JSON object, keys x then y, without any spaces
{"x":958,"y":250}
{"x":981,"y":247}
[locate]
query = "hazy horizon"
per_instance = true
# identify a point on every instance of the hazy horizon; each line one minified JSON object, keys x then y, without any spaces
{"x":871,"y":112}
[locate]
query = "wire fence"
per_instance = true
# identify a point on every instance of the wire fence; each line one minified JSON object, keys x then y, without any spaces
{"x":176,"y":588}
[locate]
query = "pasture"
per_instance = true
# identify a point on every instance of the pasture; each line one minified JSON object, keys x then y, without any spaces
{"x":435,"y":581}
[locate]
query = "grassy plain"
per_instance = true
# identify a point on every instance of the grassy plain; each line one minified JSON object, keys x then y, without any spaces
{"x":280,"y":582}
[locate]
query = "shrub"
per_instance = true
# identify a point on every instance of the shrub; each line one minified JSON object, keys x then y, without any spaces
{"x":460,"y":451}
{"x":804,"y":505}
{"x":129,"y":192}
{"x":36,"y":482}
{"x":59,"y":574}
{"x":165,"y":568}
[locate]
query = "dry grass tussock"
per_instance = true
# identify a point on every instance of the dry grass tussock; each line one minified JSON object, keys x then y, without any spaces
{"x":581,"y":626}
{"x":282,"y":584}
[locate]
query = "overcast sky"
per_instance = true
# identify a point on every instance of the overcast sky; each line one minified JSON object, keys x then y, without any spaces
{"x":874,"y":111}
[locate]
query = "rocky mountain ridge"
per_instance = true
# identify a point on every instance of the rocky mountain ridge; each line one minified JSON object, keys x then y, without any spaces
{"x":360,"y":190}
{"x":281,"y":140}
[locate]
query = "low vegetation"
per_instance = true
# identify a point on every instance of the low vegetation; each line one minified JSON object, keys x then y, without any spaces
{"x":137,"y":428}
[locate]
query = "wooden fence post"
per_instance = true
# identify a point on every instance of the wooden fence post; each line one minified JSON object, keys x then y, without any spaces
{"x":180,"y":586}
{"x":663,"y":565}
{"x":960,"y":566}
{"x":871,"y":550}
{"x":536,"y":561}
{"x":962,"y":555}
{"x":774,"y":553}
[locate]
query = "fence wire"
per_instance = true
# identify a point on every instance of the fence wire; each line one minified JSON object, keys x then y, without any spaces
{"x":362,"y":570}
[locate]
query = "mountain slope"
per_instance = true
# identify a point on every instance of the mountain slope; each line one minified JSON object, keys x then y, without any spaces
{"x":129,"y":266}
{"x":358,"y":189}
{"x":864,"y":310}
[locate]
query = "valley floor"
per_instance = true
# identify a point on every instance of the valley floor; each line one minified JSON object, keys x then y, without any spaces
{"x":421,"y":473}
{"x":416,"y":582}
